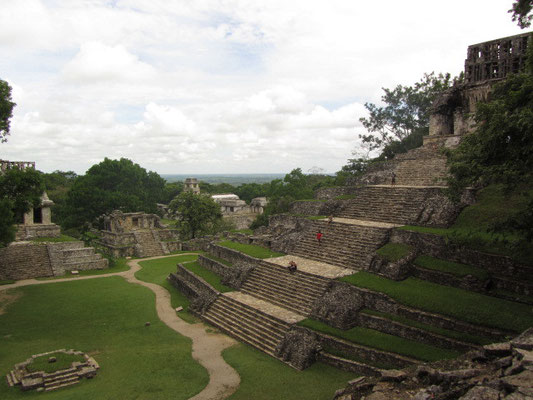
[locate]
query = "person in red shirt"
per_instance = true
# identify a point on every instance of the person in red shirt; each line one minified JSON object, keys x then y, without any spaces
{"x":319,"y":237}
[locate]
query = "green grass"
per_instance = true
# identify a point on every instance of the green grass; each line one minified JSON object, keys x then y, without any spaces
{"x":449,"y":267}
{"x":63,"y":361}
{"x":383,"y":341}
{"x":394,"y":251}
{"x":352,"y":357}
{"x":265,"y":378}
{"x":7,"y":282}
{"x":104,"y":318}
{"x":220,"y":260}
{"x":457,"y":303}
{"x":250,"y":249}
{"x":156,"y":271}
{"x":346,"y":197}
{"x":60,"y":239}
{"x":465,"y":337}
{"x":209,"y":276}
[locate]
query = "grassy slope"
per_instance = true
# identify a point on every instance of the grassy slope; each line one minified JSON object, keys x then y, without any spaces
{"x":250,"y":249}
{"x":457,"y":303}
{"x":156,"y":271}
{"x":472,"y":227}
{"x":393,"y":251}
{"x":104,"y":317}
{"x":460,"y":270}
{"x":209,"y":276}
{"x":265,"y":378}
{"x":383,"y":341}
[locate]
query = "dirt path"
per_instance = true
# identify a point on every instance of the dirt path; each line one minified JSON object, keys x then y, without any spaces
{"x":206,"y":347}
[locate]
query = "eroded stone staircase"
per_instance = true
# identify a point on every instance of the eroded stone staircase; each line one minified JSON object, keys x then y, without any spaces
{"x":247,"y":324}
{"x":345,"y":245}
{"x":421,"y":167}
{"x":392,"y":204}
{"x":295,"y":291}
{"x":149,"y":244}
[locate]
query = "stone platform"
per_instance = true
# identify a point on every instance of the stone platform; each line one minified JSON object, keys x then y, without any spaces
{"x":312,"y":267}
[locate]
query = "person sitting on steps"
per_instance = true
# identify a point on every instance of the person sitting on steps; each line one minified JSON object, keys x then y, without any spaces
{"x":292,"y":266}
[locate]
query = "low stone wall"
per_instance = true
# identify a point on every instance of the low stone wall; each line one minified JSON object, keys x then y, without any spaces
{"x":201,"y":293}
{"x":340,"y":305}
{"x":27,"y":232}
{"x":241,"y":221}
{"x":437,"y":246}
{"x":348,"y":365}
{"x":366,"y":353}
{"x":378,"y":173}
{"x":24,"y":261}
{"x":298,"y":348}
{"x":468,"y":282}
{"x":233,"y":256}
{"x":316,"y":207}
{"x":409,"y":332}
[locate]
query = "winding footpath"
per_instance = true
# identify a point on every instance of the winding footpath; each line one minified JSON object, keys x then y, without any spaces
{"x":206,"y":347}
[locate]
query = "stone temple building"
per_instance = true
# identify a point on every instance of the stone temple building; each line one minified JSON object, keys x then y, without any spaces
{"x":191,"y":185}
{"x":137,"y":234}
{"x":237,"y":211}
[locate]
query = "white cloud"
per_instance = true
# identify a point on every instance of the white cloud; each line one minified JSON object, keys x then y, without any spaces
{"x":98,"y":62}
{"x":219,"y":86}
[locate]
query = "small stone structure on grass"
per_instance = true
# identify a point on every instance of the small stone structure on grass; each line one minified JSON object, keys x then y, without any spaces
{"x":41,"y":381}
{"x":237,"y":211}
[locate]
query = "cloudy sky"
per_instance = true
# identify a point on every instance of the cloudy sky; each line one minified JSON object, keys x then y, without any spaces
{"x":227,"y":86}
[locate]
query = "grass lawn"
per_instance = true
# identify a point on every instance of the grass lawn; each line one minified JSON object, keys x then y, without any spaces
{"x":461,"y":304}
{"x":105,"y":318}
{"x":449,"y":267}
{"x":156,"y":271}
{"x":250,"y":249}
{"x":265,"y":378}
{"x":243,"y":231}
{"x":208,"y":275}
{"x":394,"y":251}
{"x":383,"y":341}
{"x":7,"y":282}
{"x":63,"y":361}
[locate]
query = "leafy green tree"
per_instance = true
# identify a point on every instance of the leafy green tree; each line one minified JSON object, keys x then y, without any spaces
{"x":197,"y":214}
{"x":20,"y":190}
{"x":170,"y":191}
{"x":6,"y":110}
{"x":522,"y":13}
{"x":57,"y":185}
{"x":110,"y":185}
{"x":405,"y":112}
{"x":249,"y":191}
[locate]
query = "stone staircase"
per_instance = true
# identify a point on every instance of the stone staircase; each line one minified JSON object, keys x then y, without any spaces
{"x":74,"y":256}
{"x":391,"y":204}
{"x":295,"y":291}
{"x":247,"y":324}
{"x":345,"y":245}
{"x":422,"y":166}
{"x":60,"y":379}
{"x":149,"y":244}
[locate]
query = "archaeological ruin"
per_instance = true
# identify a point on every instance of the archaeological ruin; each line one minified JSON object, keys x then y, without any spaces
{"x":303,"y":316}
{"x":235,"y":210}
{"x":137,"y":235}
{"x":24,"y":258}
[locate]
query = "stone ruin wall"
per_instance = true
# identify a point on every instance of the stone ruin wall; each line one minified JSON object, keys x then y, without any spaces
{"x":486,"y":64}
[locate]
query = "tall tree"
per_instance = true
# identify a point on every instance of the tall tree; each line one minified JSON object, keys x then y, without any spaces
{"x":197,"y":213}
{"x":6,"y":110}
{"x":112,"y":184}
{"x":20,"y":190}
{"x":406,"y":111}
{"x":522,"y":13}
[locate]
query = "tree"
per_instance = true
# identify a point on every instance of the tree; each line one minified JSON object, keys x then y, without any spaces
{"x":6,"y":110}
{"x":20,"y":190}
{"x":500,"y":150}
{"x":198,"y":214}
{"x":521,"y":12}
{"x":110,"y":185}
{"x":406,"y":111}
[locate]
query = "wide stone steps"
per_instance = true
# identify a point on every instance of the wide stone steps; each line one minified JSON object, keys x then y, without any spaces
{"x":150,"y":246}
{"x":391,"y":204}
{"x":63,"y":380}
{"x":246,"y":324}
